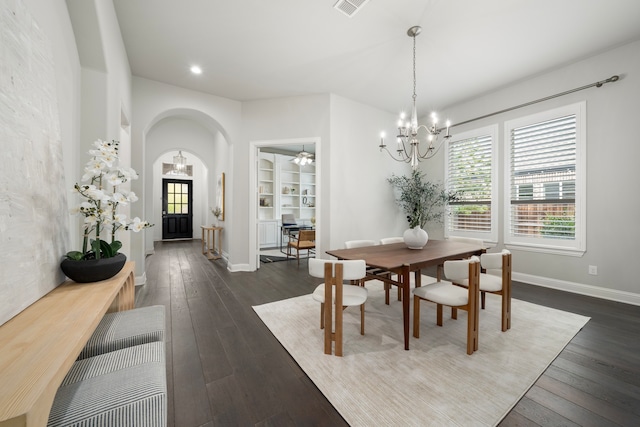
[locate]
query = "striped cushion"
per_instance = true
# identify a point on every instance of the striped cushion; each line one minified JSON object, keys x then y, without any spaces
{"x":125,"y":329}
{"x":123,"y":388}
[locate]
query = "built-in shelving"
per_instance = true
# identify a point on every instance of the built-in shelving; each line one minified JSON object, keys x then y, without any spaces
{"x":283,"y":188}
{"x":266,"y":183}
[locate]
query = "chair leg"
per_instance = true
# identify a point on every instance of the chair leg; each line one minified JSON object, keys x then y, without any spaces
{"x":328,"y":327}
{"x":454,"y":313}
{"x":321,"y":315}
{"x":386,"y":293}
{"x":439,"y":316}
{"x":338,"y":330}
{"x":470,"y":332}
{"x":483,"y":296}
{"x":362,"y":319}
{"x":506,"y":312}
{"x":473,"y":321}
{"x":416,"y":317}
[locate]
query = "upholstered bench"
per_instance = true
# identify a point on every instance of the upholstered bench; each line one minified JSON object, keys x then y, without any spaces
{"x":127,"y":328}
{"x":125,"y":387}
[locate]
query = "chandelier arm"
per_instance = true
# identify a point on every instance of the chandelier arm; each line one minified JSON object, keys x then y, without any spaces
{"x":405,"y":159}
{"x":433,"y":150}
{"x":404,"y":148}
{"x":407,"y":154}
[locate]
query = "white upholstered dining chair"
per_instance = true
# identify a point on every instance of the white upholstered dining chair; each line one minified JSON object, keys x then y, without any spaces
{"x":350,"y":244}
{"x":340,"y":296}
{"x":445,"y":293}
{"x":496,"y":280}
{"x":390,"y":240}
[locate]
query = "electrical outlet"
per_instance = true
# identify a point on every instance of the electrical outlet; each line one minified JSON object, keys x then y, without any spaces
{"x":593,"y":270}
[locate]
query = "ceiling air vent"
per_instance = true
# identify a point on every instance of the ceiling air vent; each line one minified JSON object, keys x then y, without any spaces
{"x":350,"y":7}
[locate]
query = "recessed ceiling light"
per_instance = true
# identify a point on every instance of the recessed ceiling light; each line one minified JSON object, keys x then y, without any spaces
{"x":196,"y":70}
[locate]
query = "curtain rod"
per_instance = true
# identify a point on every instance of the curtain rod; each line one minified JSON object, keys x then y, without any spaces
{"x":596,"y":84}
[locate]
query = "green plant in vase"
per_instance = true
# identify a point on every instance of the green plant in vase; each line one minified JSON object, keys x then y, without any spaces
{"x":421,"y":200}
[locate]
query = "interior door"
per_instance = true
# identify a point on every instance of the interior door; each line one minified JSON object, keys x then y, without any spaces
{"x":177,"y":209}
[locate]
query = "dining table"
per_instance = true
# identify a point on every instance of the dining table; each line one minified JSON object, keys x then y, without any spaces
{"x":398,"y":259}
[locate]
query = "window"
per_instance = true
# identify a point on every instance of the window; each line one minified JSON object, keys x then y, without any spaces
{"x":177,"y":198}
{"x":471,"y":172}
{"x":544,"y":169}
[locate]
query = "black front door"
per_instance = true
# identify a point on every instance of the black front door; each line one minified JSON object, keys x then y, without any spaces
{"x":177,"y":212}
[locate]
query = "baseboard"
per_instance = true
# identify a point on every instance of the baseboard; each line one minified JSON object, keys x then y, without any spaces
{"x":579,"y":288}
{"x":239,"y":267}
{"x":141,"y":280}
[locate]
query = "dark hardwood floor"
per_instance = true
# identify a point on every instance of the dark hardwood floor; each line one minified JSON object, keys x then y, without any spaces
{"x":224,"y":368}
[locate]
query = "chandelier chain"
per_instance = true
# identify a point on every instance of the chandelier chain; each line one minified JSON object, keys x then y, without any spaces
{"x":414,"y":69}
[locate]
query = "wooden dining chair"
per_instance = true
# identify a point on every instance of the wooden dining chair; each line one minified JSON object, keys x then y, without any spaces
{"x":340,"y":296}
{"x":350,"y":244}
{"x":444,"y":293}
{"x":495,"y":280}
{"x":305,"y":241}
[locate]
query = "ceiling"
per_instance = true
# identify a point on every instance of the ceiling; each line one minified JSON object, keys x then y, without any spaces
{"x":257,"y":49}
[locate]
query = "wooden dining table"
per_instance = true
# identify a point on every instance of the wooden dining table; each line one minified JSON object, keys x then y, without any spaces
{"x":397,"y":258}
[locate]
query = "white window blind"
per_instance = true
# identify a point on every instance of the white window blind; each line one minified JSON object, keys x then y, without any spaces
{"x":543,"y":164}
{"x":543,"y":158}
{"x":470,"y":168}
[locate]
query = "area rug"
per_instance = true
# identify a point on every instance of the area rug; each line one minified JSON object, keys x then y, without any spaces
{"x":272,"y":258}
{"x":435,"y":383}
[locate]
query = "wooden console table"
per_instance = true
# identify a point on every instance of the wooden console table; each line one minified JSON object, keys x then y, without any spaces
{"x":209,"y":240}
{"x":39,"y":345}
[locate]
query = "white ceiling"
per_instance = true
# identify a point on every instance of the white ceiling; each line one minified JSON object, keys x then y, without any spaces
{"x":256,"y":49}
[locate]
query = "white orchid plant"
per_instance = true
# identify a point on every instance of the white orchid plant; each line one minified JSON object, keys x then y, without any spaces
{"x":102,"y":196}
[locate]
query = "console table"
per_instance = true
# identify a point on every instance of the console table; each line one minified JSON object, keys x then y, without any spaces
{"x":209,"y":240}
{"x":39,"y":345}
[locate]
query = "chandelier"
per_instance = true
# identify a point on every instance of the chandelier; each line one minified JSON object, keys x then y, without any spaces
{"x":303,"y":158}
{"x":179,"y":164}
{"x":408,"y":149}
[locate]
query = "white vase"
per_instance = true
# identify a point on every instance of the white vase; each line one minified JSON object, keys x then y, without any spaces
{"x":415,"y":238}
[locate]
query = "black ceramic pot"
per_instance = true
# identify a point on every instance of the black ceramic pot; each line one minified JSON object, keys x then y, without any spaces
{"x":93,"y":270}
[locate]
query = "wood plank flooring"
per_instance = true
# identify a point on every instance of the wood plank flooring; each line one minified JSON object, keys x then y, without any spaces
{"x":224,"y":367}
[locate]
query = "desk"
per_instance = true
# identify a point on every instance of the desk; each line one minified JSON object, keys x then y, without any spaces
{"x":398,"y":259}
{"x":210,"y":241}
{"x":39,"y":345}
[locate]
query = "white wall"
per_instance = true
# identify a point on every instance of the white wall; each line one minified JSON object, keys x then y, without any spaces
{"x":206,"y":151}
{"x":105,"y":98}
{"x":213,"y":124}
{"x":267,"y":120}
{"x":363,"y":203}
{"x":46,"y":43}
{"x":612,"y":156}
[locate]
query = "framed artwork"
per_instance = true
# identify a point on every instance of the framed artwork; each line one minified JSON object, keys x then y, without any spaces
{"x":220,"y":196}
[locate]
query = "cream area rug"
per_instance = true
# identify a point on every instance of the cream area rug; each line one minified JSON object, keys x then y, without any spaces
{"x":435,"y":383}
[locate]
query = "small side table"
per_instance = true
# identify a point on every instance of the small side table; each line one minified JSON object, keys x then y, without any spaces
{"x":210,"y":234}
